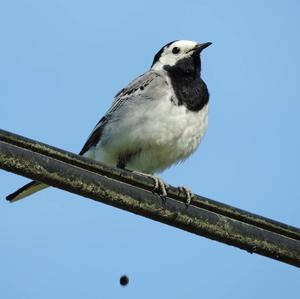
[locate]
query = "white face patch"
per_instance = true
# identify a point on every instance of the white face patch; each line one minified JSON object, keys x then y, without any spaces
{"x":170,"y":55}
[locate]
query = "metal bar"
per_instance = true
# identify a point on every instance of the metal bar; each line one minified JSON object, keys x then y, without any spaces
{"x":132,"y":192}
{"x":147,"y":183}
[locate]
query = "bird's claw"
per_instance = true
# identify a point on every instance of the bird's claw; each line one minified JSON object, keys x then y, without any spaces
{"x":160,"y":185}
{"x":188,"y":194}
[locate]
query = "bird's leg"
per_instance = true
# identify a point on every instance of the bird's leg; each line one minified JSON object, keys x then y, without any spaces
{"x":187,"y":192}
{"x":159,"y":184}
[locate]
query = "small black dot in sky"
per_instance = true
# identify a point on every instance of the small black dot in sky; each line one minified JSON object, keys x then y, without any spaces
{"x":124,"y":280}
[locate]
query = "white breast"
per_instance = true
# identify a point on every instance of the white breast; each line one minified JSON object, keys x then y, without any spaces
{"x":162,"y":133}
{"x":177,"y":135}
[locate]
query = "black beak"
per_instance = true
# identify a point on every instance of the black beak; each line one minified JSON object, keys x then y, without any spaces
{"x":200,"y":47}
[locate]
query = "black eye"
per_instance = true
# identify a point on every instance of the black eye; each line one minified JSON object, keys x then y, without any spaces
{"x":175,"y":50}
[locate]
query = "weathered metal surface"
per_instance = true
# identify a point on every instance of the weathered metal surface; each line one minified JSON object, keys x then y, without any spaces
{"x":126,"y":190}
{"x":147,"y":183}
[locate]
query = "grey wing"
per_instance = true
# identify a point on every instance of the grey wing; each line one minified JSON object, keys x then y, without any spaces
{"x":142,"y":87}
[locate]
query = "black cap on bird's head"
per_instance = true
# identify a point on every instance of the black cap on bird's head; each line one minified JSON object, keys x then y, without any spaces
{"x":159,"y":53}
{"x":180,"y":55}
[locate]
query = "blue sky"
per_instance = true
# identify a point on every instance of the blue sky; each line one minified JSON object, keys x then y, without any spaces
{"x":61,"y":63}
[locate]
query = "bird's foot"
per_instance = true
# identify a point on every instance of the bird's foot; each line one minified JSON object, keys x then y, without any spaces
{"x":159,"y":185}
{"x":188,"y":194}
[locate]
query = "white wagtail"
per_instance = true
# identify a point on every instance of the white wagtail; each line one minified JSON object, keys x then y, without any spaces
{"x":157,"y":120}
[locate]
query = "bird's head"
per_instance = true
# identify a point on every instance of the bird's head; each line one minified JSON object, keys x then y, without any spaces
{"x":181,"y":56}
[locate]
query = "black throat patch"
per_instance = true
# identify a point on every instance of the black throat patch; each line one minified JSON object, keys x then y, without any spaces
{"x":190,"y":90}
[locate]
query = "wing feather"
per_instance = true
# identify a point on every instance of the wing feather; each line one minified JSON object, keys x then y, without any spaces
{"x":137,"y":88}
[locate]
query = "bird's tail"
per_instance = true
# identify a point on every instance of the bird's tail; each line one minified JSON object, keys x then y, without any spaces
{"x":26,"y":190}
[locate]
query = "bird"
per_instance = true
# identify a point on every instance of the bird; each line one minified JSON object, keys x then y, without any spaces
{"x":157,"y":120}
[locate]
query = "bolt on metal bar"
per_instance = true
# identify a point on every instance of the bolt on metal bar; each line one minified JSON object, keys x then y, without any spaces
{"x":133,"y":192}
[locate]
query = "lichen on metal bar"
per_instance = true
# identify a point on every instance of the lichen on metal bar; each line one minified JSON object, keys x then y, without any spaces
{"x":82,"y":179}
